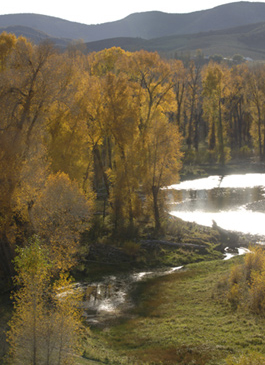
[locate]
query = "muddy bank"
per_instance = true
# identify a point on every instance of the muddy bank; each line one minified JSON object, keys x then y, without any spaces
{"x":183,"y":242}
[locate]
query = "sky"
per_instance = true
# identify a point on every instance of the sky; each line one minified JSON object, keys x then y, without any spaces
{"x":102,"y":11}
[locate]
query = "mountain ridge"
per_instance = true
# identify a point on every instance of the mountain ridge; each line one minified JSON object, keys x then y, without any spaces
{"x":237,"y":27}
{"x":147,"y":25}
{"x":248,"y":41}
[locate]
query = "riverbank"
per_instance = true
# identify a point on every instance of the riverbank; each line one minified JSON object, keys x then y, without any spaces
{"x":171,"y":318}
{"x":181,"y":243}
{"x":183,"y":318}
{"x":234,"y":166}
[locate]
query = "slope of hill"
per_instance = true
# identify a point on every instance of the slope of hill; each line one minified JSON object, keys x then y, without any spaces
{"x":34,"y":35}
{"x":248,"y":41}
{"x":145,"y":25}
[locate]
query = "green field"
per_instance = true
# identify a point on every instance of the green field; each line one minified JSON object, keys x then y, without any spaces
{"x":183,"y":318}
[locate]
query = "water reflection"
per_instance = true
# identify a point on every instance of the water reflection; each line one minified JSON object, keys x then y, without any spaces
{"x":217,"y":181}
{"x":109,"y":299}
{"x":240,"y":251}
{"x":235,"y":202}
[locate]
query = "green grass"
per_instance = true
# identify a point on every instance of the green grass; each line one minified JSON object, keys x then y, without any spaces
{"x":184,"y":318}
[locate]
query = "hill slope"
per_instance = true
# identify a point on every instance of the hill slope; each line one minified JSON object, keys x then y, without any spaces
{"x":35,"y":35}
{"x":248,"y":41}
{"x":145,"y":25}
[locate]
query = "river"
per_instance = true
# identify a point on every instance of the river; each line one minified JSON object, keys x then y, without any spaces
{"x":234,"y":202}
{"x":109,"y":298}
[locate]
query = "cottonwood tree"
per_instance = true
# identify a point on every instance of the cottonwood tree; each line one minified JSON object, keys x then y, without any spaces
{"x":91,"y":113}
{"x":7,"y":44}
{"x":256,"y":94}
{"x":193,"y":107}
{"x":179,"y":78}
{"x":163,"y":161}
{"x":154,"y":87}
{"x":25,"y":92}
{"x":40,"y":134}
{"x":121,"y":123}
{"x":216,"y":81}
{"x":61,"y":212}
{"x":239,"y":111}
{"x":67,"y":129}
{"x":46,"y":323}
{"x":158,"y":140}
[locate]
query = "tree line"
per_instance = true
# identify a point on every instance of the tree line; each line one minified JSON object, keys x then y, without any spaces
{"x":104,"y":132}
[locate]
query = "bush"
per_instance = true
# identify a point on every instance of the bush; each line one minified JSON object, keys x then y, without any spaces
{"x":131,"y":248}
{"x":257,"y":292}
{"x":236,"y":275}
{"x":246,"y":283}
{"x":235,"y":285}
{"x":252,"y":358}
{"x":245,"y":151}
{"x":233,"y":296}
{"x":254,"y":262}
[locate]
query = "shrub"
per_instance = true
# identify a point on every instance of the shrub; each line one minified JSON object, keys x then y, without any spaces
{"x":236,"y":275}
{"x":254,"y":261}
{"x":233,"y":296}
{"x":257,"y":292}
{"x":252,"y":358}
{"x":131,"y":248}
{"x":246,"y":283}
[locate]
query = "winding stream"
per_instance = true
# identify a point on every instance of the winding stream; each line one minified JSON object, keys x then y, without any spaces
{"x":235,"y":202}
{"x":109,"y":298}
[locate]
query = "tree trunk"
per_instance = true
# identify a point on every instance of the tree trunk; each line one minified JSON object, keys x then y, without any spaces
{"x":6,"y":257}
{"x":259,"y":133}
{"x":220,"y":136}
{"x":100,"y":164}
{"x":155,"y":191}
{"x":212,"y":137}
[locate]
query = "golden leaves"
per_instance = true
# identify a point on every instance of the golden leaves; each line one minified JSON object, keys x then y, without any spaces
{"x":61,"y":212}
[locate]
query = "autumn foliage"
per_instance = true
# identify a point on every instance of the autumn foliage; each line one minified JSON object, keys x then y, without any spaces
{"x":104,"y":133}
{"x":92,"y":139}
{"x":247,"y":283}
{"x":46,"y":324}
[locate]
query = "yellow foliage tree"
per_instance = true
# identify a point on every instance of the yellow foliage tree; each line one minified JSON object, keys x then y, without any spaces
{"x":46,"y":323}
{"x":25,"y":93}
{"x":162,"y":158}
{"x":256,"y":95}
{"x":7,"y":44}
{"x":60,"y":213}
{"x":216,"y":81}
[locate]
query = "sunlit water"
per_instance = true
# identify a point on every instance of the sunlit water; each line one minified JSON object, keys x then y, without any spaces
{"x":240,"y":251}
{"x":109,"y":299}
{"x":235,"y":202}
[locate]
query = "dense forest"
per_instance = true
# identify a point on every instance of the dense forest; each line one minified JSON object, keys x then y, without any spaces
{"x":87,"y":142}
{"x":101,"y":134}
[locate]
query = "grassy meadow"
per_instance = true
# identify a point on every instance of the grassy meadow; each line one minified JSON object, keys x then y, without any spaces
{"x":183,"y":318}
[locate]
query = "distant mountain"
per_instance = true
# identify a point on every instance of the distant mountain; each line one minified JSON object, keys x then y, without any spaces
{"x":146,"y":25}
{"x":248,"y":41}
{"x":227,"y":29}
{"x":35,"y":35}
